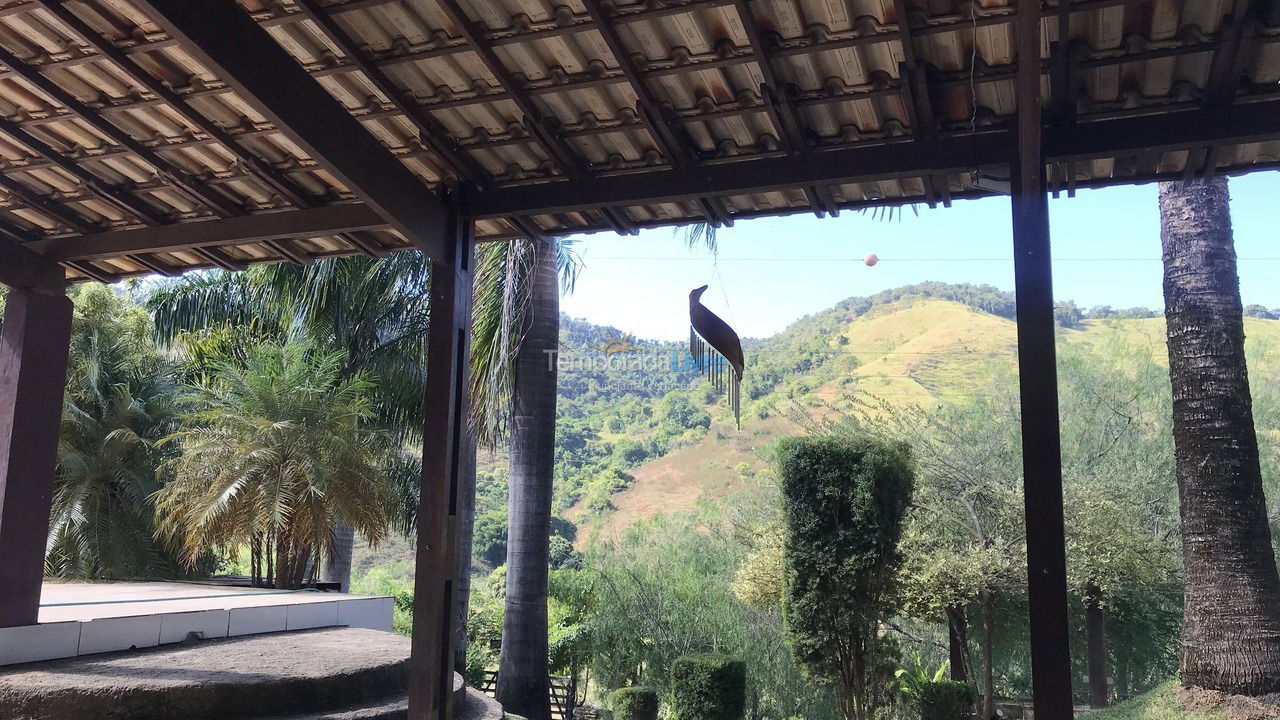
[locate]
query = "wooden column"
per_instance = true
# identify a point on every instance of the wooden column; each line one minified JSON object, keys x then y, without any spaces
{"x":444,"y":449}
{"x":33,"y":372}
{"x":1038,"y":381}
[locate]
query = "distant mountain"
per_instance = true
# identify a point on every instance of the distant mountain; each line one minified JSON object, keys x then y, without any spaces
{"x":920,"y":344}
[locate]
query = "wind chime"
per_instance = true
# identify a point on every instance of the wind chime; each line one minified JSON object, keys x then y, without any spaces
{"x":716,"y":351}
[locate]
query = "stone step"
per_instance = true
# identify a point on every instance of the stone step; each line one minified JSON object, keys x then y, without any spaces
{"x":475,"y":706}
{"x":252,"y":677}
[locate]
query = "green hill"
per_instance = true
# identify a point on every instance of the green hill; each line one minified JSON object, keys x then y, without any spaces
{"x":638,"y":435}
{"x":920,"y":345}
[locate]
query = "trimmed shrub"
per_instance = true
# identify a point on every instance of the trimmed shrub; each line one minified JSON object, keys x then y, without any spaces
{"x":946,"y":700}
{"x":634,"y":703}
{"x":709,"y":687}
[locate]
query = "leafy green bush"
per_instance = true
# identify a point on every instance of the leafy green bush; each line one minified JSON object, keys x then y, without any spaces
{"x":844,"y":501}
{"x":946,"y":700}
{"x":709,"y":687}
{"x":634,"y":703}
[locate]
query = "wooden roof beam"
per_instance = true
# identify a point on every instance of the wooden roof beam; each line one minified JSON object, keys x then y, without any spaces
{"x":1224,"y":80}
{"x":22,"y":269}
{"x":1250,"y":122}
{"x":311,"y":222}
{"x":222,"y":36}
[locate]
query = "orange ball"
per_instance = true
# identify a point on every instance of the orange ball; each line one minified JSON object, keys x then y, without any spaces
{"x":871,"y":260}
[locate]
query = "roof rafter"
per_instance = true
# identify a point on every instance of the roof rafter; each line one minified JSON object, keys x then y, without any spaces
{"x":914,"y":81}
{"x":210,"y":234}
{"x":433,"y":135}
{"x":777,"y":101}
{"x":1223,"y":81}
{"x":656,"y":122}
{"x":949,"y":154}
{"x":225,"y":39}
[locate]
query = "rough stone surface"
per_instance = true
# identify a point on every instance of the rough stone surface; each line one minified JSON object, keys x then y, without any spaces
{"x":260,"y":676}
{"x":476,"y":706}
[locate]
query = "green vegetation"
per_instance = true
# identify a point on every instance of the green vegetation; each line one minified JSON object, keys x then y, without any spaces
{"x":276,"y":453}
{"x":946,"y":700}
{"x":634,"y":588}
{"x":1158,"y":704}
{"x":120,"y":405}
{"x":708,"y":687}
{"x":634,"y":703}
{"x":844,"y":502}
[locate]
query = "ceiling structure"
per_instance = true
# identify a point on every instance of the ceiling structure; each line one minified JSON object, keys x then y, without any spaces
{"x":157,"y":136}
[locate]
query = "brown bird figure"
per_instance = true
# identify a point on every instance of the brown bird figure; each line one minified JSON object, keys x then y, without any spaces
{"x":715,"y":331}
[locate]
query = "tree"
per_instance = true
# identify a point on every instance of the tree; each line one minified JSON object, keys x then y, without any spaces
{"x":1117,"y":467}
{"x":665,"y":588}
{"x":844,"y":501}
{"x":964,"y":539}
{"x":1231,"y":631}
{"x":523,"y":670}
{"x":120,"y":403}
{"x":276,"y":454}
{"x":373,"y":313}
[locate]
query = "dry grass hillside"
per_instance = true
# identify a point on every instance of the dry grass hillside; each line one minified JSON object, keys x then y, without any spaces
{"x":913,"y":351}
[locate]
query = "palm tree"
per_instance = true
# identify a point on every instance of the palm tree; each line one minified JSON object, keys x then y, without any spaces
{"x":375,"y":313}
{"x":119,"y":405}
{"x":523,"y":662}
{"x":513,"y":397}
{"x":1231,"y":630}
{"x":278,"y":452}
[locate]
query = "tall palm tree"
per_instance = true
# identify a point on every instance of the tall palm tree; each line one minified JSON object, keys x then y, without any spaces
{"x":119,"y":405}
{"x":1231,"y":629}
{"x":277,"y":452}
{"x":523,"y":663}
{"x":513,"y":397}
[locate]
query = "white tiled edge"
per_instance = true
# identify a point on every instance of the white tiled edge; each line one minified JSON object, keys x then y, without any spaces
{"x":206,"y":624}
{"x":52,"y":641}
{"x":121,"y":633}
{"x":312,"y":615}
{"x":32,"y":643}
{"x":369,"y":613}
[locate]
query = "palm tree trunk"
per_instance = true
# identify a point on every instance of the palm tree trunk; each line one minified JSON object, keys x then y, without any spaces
{"x":1231,"y":628}
{"x":1095,"y":632}
{"x":466,"y":533}
{"x":337,"y":567}
{"x":523,"y":672}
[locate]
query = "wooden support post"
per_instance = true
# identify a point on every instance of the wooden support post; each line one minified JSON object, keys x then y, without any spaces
{"x":1038,"y":381}
{"x":444,"y":450}
{"x":33,"y":365}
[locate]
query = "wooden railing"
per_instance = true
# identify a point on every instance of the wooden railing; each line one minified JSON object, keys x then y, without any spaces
{"x":564,"y":693}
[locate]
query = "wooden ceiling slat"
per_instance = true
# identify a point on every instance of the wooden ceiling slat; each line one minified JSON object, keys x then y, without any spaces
{"x":190,"y":186}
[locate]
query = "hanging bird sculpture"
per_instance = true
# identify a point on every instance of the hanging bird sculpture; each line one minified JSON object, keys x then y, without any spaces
{"x":722,"y":362}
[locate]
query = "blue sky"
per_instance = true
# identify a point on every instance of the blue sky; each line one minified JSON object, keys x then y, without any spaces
{"x":772,"y":271}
